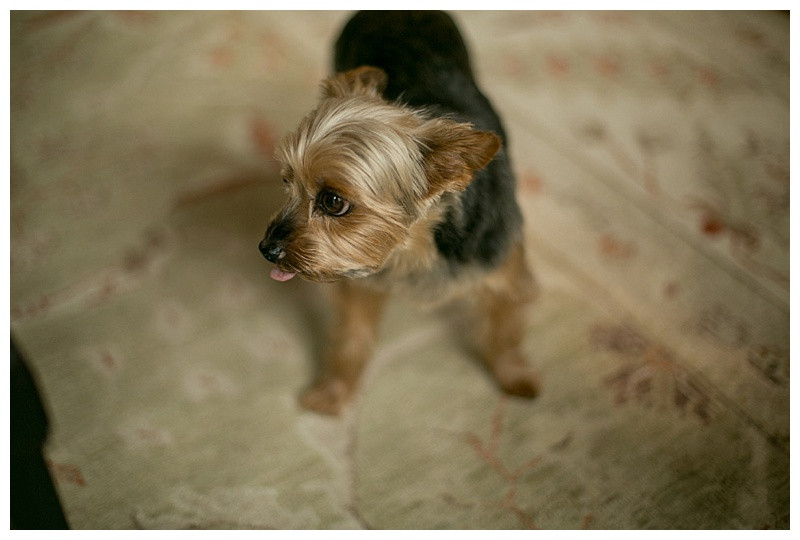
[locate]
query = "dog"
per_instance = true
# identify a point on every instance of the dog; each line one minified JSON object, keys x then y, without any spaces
{"x":399,"y":182}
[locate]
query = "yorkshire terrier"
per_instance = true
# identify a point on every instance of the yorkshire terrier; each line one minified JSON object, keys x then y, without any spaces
{"x":400,"y":182}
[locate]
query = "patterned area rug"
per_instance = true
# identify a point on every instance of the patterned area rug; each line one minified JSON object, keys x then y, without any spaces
{"x":652,"y":151}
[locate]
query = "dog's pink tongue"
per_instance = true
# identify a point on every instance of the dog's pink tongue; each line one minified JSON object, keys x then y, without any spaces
{"x":280,"y":275}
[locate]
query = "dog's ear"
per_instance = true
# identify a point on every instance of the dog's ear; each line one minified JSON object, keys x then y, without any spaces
{"x":453,"y":152}
{"x":366,"y":80}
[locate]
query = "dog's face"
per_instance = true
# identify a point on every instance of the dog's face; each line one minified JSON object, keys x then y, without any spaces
{"x":359,"y":173}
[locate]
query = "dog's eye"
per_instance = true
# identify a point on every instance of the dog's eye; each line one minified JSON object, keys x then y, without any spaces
{"x":332,"y":204}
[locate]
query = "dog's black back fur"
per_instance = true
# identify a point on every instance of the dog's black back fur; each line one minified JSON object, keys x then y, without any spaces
{"x":427,"y":64}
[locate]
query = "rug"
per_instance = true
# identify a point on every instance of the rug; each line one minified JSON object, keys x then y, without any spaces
{"x":652,"y":156}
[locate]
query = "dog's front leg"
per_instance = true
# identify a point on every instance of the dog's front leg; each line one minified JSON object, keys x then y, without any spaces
{"x":350,"y":344}
{"x":504,"y":298}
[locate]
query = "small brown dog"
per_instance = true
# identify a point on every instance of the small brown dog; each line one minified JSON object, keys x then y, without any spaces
{"x":398,"y":182}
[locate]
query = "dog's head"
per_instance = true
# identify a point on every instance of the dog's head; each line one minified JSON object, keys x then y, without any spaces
{"x":359,"y":173}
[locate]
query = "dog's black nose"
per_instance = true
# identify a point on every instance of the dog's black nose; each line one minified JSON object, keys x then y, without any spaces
{"x":273,"y":246}
{"x":272,"y":251}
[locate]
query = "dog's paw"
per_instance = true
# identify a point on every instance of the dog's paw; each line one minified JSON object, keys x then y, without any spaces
{"x":517,"y":378}
{"x":327,"y":396}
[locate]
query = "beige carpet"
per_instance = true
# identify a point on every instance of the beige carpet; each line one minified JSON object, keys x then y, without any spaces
{"x":652,"y":151}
